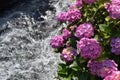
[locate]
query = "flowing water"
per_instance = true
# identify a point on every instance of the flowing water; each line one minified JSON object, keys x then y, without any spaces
{"x":25,"y":31}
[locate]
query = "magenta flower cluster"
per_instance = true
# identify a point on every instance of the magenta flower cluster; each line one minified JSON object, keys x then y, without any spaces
{"x":103,"y":68}
{"x":70,"y":16}
{"x":68,"y":54}
{"x":89,"y":48}
{"x":57,"y":42}
{"x":84,"y":30}
{"x":62,"y":17}
{"x":115,"y":44}
{"x":79,"y":3}
{"x":115,"y":1}
{"x":113,"y":9}
{"x":73,"y":15}
{"x":66,"y":33}
{"x":114,"y":76}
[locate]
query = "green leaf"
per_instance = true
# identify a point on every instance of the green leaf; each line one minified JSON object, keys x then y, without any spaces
{"x":102,"y":27}
{"x":96,"y":36}
{"x":76,"y":68}
{"x":82,"y":76}
{"x":61,"y":66}
{"x":62,"y":72}
{"x":107,"y":18}
{"x":105,"y":30}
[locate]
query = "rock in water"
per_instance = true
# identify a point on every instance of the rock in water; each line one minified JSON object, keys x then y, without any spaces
{"x":25,"y":32}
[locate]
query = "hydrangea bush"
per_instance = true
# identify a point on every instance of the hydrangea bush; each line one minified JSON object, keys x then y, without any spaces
{"x":89,"y":45}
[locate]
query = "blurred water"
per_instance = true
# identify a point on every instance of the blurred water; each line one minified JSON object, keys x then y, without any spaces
{"x":25,"y":31}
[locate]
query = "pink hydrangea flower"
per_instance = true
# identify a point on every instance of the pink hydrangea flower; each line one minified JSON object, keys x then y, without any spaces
{"x":103,"y":68}
{"x":108,"y":66}
{"x":66,"y":33}
{"x":84,"y":30}
{"x":94,"y":67}
{"x":73,"y":15}
{"x":114,"y":76}
{"x":89,"y":48}
{"x":68,"y":54}
{"x":115,"y":1}
{"x":62,"y":16}
{"x":57,"y":42}
{"x":115,"y":44}
{"x":89,"y":1}
{"x":113,"y":10}
{"x":78,"y":3}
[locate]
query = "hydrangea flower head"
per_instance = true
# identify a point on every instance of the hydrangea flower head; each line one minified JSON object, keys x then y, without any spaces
{"x":57,"y":42}
{"x":84,"y":30}
{"x":113,"y":10}
{"x":115,"y":1}
{"x":108,"y":66}
{"x":73,"y":15}
{"x":103,"y":68}
{"x":89,"y":48}
{"x":68,"y":54}
{"x":78,"y":3}
{"x":114,"y":76}
{"x":94,"y":66}
{"x":62,"y":16}
{"x":66,"y":33}
{"x":89,"y":1}
{"x":115,"y":44}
